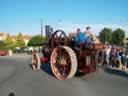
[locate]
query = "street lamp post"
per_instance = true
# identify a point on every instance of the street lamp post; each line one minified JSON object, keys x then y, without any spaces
{"x":41,"y":28}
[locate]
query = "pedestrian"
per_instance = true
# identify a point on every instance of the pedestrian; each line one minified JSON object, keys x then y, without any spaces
{"x":123,"y":58}
{"x":113,"y":55}
{"x":118,"y":58}
{"x":107,"y":55}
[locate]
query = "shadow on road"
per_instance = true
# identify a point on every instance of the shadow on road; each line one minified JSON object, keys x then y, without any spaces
{"x":11,"y":94}
{"x":47,"y":68}
{"x":116,"y":72}
{"x":30,"y":65}
{"x":79,"y":74}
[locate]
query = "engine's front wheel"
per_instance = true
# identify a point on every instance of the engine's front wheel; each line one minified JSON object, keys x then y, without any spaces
{"x":63,"y":62}
{"x":36,"y":63}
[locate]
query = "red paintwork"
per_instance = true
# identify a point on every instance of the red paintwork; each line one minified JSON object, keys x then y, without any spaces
{"x":83,"y":67}
{"x":81,"y":57}
{"x":3,"y":52}
{"x":44,"y":60}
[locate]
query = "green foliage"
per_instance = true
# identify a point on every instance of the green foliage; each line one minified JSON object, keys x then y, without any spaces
{"x":37,"y":40}
{"x":8,"y":40}
{"x":20,"y":41}
{"x":2,"y":43}
{"x":118,"y":36}
{"x":8,"y":43}
{"x":106,"y":35}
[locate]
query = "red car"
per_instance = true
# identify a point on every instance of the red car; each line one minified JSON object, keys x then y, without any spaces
{"x":3,"y":52}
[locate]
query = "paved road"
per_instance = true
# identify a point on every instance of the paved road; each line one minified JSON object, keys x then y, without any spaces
{"x":17,"y":76}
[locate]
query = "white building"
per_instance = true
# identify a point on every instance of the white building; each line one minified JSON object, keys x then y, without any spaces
{"x":3,"y":36}
{"x":26,"y":37}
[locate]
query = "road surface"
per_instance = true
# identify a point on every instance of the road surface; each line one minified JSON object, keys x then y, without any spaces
{"x":17,"y":76}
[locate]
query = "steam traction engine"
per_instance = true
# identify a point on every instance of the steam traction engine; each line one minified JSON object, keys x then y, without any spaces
{"x":67,"y":57}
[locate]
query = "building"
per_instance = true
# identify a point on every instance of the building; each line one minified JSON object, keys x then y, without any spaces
{"x":2,"y":36}
{"x":125,"y":41}
{"x":26,"y":37}
{"x":14,"y":37}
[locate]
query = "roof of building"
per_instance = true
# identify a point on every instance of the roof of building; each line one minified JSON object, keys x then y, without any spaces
{"x":2,"y":33}
{"x":13,"y":36}
{"x":24,"y":36}
{"x":27,"y":37}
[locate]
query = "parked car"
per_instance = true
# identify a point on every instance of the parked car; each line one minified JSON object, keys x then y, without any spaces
{"x":3,"y":52}
{"x":29,"y":50}
{"x":19,"y":50}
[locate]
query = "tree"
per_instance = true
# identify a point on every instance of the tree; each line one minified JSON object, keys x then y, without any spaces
{"x":8,"y":42}
{"x":20,"y":41}
{"x":106,"y":35}
{"x":118,"y":36}
{"x":37,"y":40}
{"x":2,"y":43}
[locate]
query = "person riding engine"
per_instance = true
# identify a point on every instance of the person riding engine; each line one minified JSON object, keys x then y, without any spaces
{"x":84,"y":38}
{"x":80,"y":37}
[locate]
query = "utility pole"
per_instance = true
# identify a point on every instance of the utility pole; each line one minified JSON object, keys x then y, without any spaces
{"x":41,"y":28}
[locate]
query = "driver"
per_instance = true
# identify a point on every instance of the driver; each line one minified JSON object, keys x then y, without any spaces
{"x":80,"y":37}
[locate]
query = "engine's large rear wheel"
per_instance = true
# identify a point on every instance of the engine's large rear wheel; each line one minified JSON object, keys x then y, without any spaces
{"x":63,"y":62}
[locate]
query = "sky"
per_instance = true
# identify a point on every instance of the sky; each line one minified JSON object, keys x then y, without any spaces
{"x":25,"y":15}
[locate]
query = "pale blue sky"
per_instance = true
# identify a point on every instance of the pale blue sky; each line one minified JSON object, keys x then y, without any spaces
{"x":25,"y":15}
